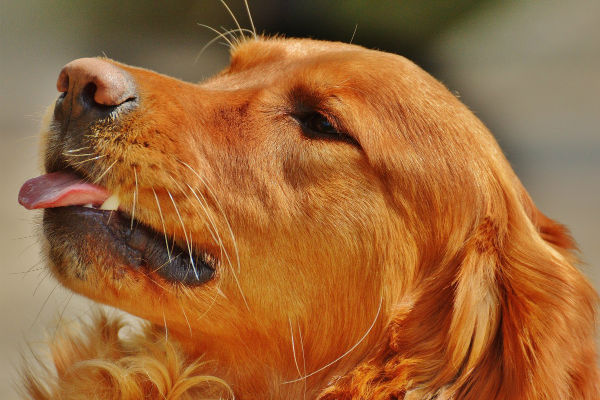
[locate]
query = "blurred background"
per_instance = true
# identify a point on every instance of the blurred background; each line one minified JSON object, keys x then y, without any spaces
{"x":529,"y":70}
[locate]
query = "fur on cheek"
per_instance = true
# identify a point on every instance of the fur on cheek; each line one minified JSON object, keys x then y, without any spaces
{"x":92,"y":361}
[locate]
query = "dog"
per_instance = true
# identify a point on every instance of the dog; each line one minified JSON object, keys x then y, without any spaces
{"x":317,"y":221}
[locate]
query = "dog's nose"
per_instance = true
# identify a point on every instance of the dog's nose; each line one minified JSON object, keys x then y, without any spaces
{"x":90,"y":88}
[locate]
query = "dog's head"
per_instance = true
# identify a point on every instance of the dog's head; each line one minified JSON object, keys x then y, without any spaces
{"x":315,"y":210}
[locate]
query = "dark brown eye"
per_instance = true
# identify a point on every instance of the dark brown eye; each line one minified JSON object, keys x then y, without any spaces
{"x":320,"y":124}
{"x":317,"y":126}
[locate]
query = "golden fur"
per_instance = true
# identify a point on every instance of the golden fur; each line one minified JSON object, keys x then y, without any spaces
{"x":92,"y":361}
{"x":407,"y":264}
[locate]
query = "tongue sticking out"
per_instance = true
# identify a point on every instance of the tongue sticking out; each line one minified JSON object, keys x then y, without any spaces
{"x":59,"y":189}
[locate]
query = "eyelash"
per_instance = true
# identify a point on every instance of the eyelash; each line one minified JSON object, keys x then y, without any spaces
{"x":317,"y":126}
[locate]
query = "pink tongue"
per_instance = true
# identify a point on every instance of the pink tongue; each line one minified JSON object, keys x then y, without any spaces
{"x":59,"y":189}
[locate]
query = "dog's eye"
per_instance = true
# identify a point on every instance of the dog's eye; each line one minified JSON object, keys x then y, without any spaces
{"x":318,"y":126}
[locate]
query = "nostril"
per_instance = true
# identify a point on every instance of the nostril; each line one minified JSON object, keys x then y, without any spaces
{"x":96,"y":81}
{"x":87,"y":94}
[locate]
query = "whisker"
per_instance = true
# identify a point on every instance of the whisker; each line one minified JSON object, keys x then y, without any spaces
{"x":343,"y":355}
{"x":186,"y":318}
{"x":239,"y":28}
{"x":234,"y":241}
{"x":187,"y":241}
{"x":240,"y":37}
{"x":110,"y":216}
{"x":250,"y":17}
{"x":213,"y":195}
{"x":61,"y":314}
{"x":105,"y":172}
{"x":24,"y":237}
{"x":35,"y":267}
{"x":294,"y":348}
{"x":76,"y":150}
{"x":206,"y":46}
{"x":88,"y":160}
{"x":22,"y":139}
{"x":353,"y":33}
{"x":215,"y":236}
{"x":156,"y":283}
{"x":39,"y":284}
{"x":218,"y":32}
{"x":210,"y":306}
{"x":191,"y":246}
{"x":218,"y":239}
{"x":135,"y":195}
{"x":303,"y":359}
{"x":78,"y":155}
{"x":210,"y":42}
{"x":165,"y":325}
{"x":204,"y":207}
{"x":44,"y":304}
{"x":212,"y":228}
{"x":28,"y":247}
{"x":214,"y":232}
{"x":162,"y":220}
{"x":165,"y":263}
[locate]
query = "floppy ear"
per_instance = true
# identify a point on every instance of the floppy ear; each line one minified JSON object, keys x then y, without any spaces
{"x":551,"y":231}
{"x":539,"y":338}
{"x":509,"y":317}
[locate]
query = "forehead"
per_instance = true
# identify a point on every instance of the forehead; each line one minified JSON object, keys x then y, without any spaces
{"x":272,"y":49}
{"x":264,"y":61}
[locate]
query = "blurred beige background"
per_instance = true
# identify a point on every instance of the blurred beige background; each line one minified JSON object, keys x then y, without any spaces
{"x":530,"y":70}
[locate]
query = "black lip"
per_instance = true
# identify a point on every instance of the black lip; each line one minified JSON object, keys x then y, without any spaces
{"x":110,"y":237}
{"x":70,"y":129}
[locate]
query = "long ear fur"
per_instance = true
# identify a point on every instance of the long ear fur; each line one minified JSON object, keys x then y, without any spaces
{"x":509,"y":317}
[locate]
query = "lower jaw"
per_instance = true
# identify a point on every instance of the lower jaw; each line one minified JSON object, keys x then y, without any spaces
{"x":80,"y":237}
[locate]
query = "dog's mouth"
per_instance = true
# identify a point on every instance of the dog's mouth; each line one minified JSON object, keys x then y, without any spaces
{"x":86,"y":218}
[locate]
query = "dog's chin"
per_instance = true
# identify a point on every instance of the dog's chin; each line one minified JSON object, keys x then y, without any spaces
{"x":85,"y":243}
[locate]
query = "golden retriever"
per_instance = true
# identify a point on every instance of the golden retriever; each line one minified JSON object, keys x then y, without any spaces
{"x":317,"y":221}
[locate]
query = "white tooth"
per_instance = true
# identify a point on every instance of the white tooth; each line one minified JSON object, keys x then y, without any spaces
{"x":112,"y":203}
{"x":88,"y":205}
